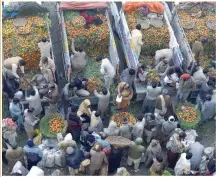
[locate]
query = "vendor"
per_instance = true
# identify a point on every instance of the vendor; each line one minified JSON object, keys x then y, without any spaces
{"x":163,"y":54}
{"x":80,"y":86}
{"x":128,"y":76}
{"x":14,"y":63}
{"x":136,"y":36}
{"x":141,"y":73}
{"x":48,"y":68}
{"x":45,"y":47}
{"x":78,"y":60}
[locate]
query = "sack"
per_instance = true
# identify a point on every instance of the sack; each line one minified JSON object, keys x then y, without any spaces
{"x":68,"y":137}
{"x":50,"y":160}
{"x":59,"y":158}
{"x":35,"y":171}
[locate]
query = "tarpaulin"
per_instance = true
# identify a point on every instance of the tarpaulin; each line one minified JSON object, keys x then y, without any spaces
{"x":82,"y":5}
{"x":155,"y":7}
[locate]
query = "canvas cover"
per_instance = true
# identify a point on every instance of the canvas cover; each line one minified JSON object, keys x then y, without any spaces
{"x":82,"y":5}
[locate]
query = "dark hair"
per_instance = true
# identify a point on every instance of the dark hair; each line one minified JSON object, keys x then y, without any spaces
{"x":80,"y":49}
{"x":32,"y":92}
{"x":153,"y":54}
{"x":16,"y":100}
{"x":208,"y":97}
{"x":154,"y":84}
{"x":206,"y":70}
{"x":189,"y":155}
{"x":44,"y":59}
{"x":31,"y":109}
{"x":170,"y":71}
{"x":22,"y":62}
{"x":132,"y":72}
{"x":43,"y":39}
{"x":90,"y":131}
{"x":138,"y":26}
{"x":14,"y":118}
{"x":73,"y":109}
{"x":182,"y":135}
{"x":140,"y":117}
{"x":159,"y":159}
{"x":71,"y":85}
{"x":152,"y":116}
{"x":14,"y":145}
{"x":210,"y":83}
{"x":104,"y":91}
{"x":97,"y":113}
{"x":143,"y":66}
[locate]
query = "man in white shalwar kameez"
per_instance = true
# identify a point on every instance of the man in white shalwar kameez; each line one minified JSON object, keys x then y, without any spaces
{"x":136,"y":35}
{"x":163,"y":54}
{"x":45,"y":47}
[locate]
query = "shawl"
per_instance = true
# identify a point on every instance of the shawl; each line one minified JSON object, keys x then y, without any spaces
{"x":83,"y":108}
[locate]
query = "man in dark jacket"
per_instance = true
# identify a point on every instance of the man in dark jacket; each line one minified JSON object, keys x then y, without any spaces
{"x":150,"y":126}
{"x":73,"y":159}
{"x":80,"y":86}
{"x":74,"y":124}
{"x":115,"y":159}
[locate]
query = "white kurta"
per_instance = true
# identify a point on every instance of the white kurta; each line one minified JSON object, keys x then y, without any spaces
{"x":137,"y":41}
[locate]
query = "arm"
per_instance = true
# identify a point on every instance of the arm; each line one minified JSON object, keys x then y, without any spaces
{"x":14,"y":69}
{"x":97,"y":94}
{"x":140,"y":40}
{"x":22,"y":69}
{"x":73,"y":47}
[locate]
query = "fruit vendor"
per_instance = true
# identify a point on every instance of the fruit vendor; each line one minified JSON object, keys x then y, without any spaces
{"x":141,"y":73}
{"x":126,"y":129}
{"x":48,"y":68}
{"x":150,"y":126}
{"x":162,"y":68}
{"x":128,"y":76}
{"x":52,"y":96}
{"x":136,"y":37}
{"x":201,"y":75}
{"x":108,"y":71}
{"x":80,"y":86}
{"x":14,"y":63}
{"x":163,"y":54}
{"x":103,"y":101}
{"x":96,"y":124}
{"x":45,"y":47}
{"x":186,"y":85}
{"x":78,"y":61}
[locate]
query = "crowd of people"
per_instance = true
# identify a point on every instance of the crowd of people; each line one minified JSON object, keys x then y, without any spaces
{"x":85,"y":148}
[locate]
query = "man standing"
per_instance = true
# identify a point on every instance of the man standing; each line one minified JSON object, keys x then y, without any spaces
{"x":108,"y":71}
{"x":45,"y":47}
{"x":136,"y":36}
{"x":14,"y":63}
{"x":53,"y":96}
{"x":128,"y":76}
{"x":103,"y":101}
{"x":78,"y":60}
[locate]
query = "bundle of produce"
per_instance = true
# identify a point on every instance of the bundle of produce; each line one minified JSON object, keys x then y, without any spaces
{"x":23,"y":41}
{"x":188,"y":115}
{"x":94,"y":40}
{"x":118,"y":141}
{"x":52,"y":124}
{"x":118,"y":118}
{"x":200,"y":29}
{"x":92,"y":85}
{"x":153,"y":76}
{"x":153,"y":38}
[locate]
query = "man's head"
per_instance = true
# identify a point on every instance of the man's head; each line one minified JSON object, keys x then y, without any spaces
{"x":14,"y":145}
{"x":30,"y":143}
{"x":150,"y":115}
{"x":140,"y":117}
{"x":104,"y":91}
{"x":208,"y":97}
{"x":189,"y":155}
{"x":22,"y":62}
{"x":71,"y":85}
{"x":171,"y":119}
{"x":182,"y":135}
{"x":132,"y":72}
{"x":44,"y":60}
{"x":170,"y":71}
{"x":159,"y":159}
{"x":43,"y":39}
{"x":103,"y":135}
{"x":185,"y":77}
{"x":14,"y":118}
{"x":206,"y":70}
{"x":80,"y":49}
{"x":32,"y":93}
{"x":138,"y":26}
{"x":153,"y":54}
{"x":16,"y":100}
{"x":80,"y":76}
{"x":210,"y":83}
{"x":31,"y":109}
{"x":154,"y":84}
{"x":97,"y":113}
{"x":73,"y":109}
{"x":143,"y":66}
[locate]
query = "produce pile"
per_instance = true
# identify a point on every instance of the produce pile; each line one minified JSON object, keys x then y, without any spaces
{"x":200,"y":30}
{"x":153,"y":76}
{"x":23,"y":41}
{"x":92,"y":85}
{"x":188,"y":115}
{"x":94,"y":40}
{"x":52,"y":124}
{"x":118,"y":118}
{"x":153,"y":38}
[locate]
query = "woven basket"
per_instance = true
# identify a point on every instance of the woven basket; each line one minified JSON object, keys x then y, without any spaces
{"x":118,"y":141}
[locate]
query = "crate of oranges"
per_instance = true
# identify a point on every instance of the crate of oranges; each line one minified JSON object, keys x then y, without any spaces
{"x":188,"y":115}
{"x":52,"y":124}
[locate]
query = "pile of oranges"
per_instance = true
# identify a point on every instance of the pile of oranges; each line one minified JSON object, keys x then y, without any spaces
{"x":187,"y":113}
{"x":56,"y":125}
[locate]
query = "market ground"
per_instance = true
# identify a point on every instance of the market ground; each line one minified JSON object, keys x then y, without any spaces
{"x":206,"y":135}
